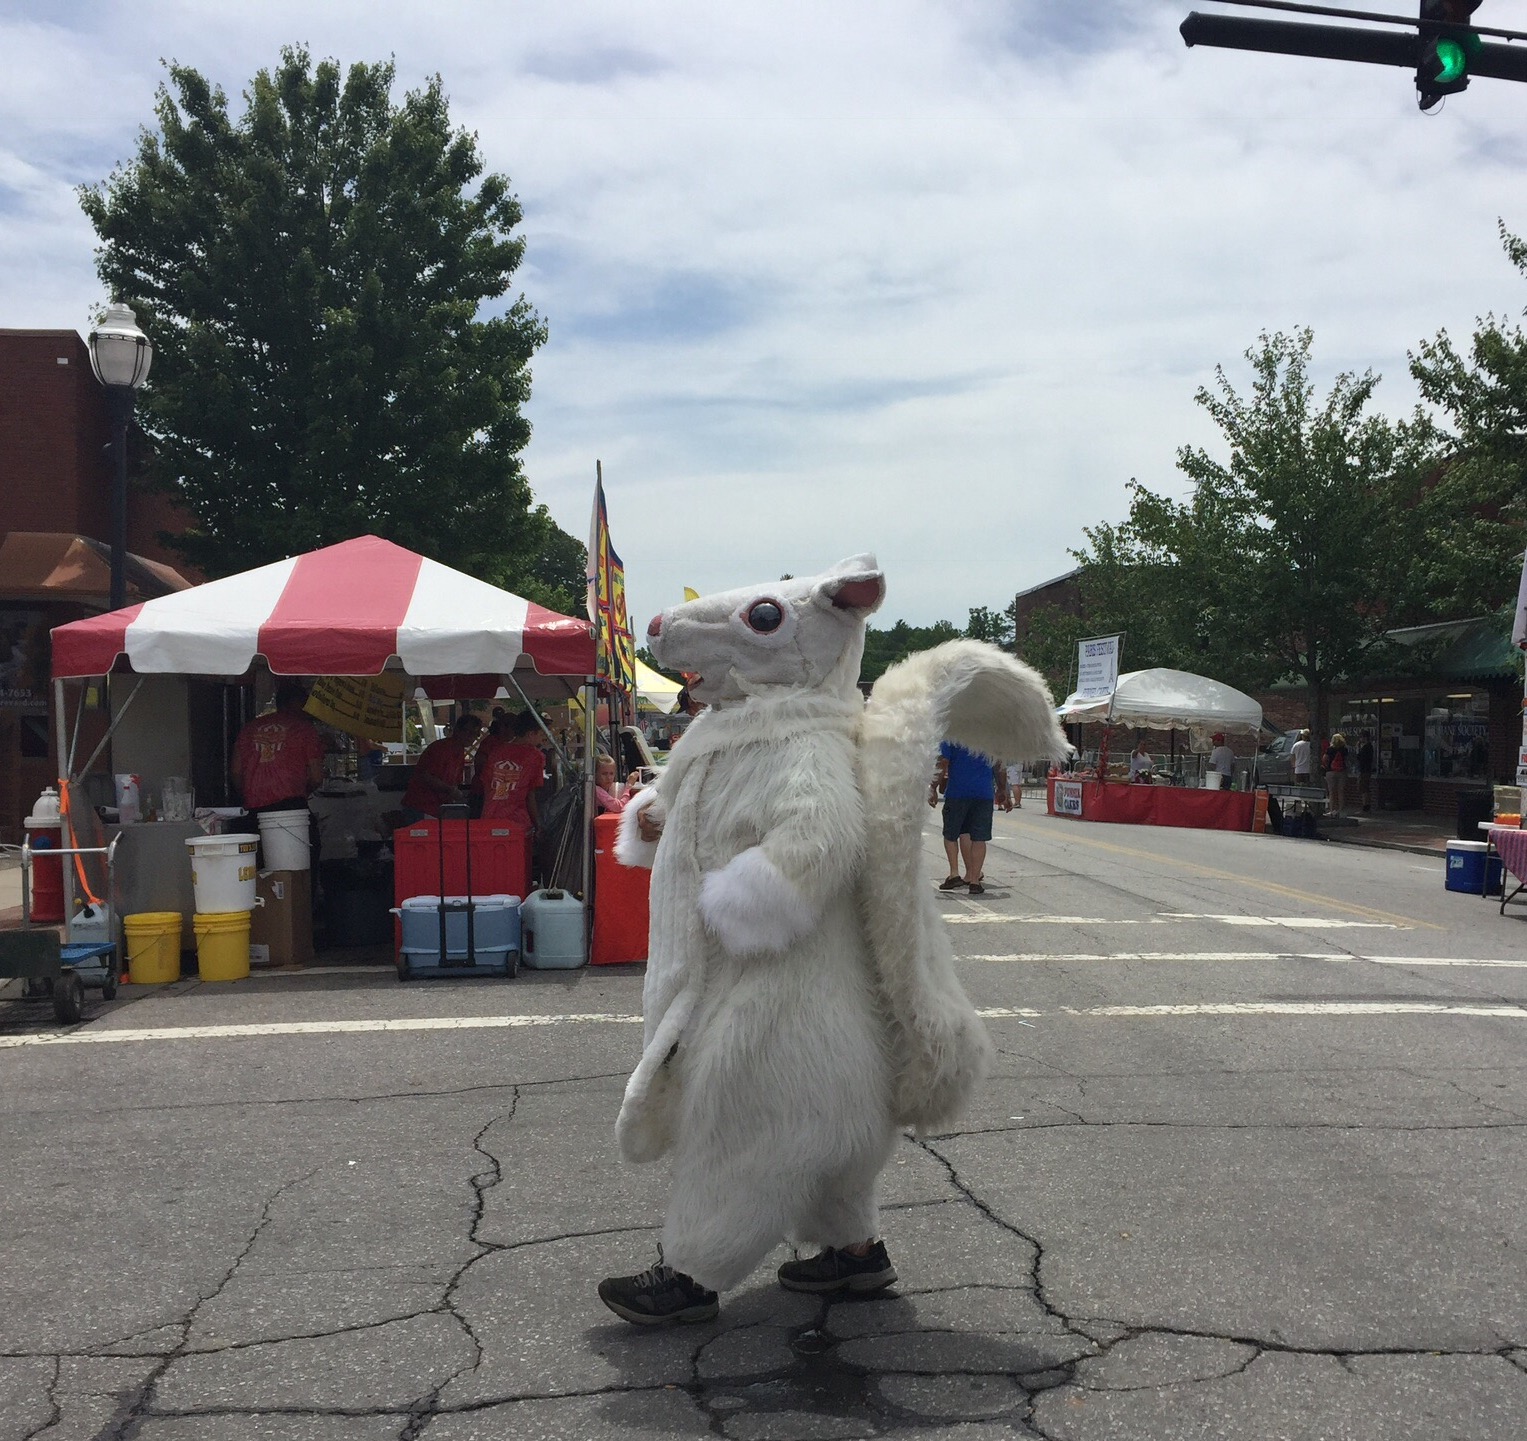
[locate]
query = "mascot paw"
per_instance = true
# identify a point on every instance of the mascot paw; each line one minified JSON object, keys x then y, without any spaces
{"x":752,"y":905}
{"x":631,"y":849}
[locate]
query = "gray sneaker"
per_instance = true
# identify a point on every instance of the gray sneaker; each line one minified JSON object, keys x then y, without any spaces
{"x":659,"y":1296}
{"x":836,"y":1270}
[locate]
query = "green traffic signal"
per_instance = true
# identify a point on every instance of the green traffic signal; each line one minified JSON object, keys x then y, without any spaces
{"x":1452,"y":62}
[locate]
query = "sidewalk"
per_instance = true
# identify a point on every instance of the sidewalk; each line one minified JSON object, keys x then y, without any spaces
{"x":1393,"y":830}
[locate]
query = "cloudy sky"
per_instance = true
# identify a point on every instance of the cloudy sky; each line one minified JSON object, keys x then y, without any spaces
{"x":928,"y":279}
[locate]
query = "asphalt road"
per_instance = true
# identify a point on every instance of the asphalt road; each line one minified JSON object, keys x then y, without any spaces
{"x":1251,"y":1166}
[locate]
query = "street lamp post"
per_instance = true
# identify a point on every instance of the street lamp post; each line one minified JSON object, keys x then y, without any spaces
{"x":120,"y":355}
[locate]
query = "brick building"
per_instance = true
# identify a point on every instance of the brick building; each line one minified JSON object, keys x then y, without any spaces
{"x":55,"y":533}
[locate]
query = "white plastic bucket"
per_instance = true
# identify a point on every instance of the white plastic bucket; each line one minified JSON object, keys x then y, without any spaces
{"x":285,"y":837}
{"x":223,"y":870}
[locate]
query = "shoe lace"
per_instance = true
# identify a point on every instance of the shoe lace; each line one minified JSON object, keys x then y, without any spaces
{"x":658,"y":1274}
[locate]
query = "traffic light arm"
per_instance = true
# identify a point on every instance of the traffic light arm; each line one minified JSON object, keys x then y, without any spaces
{"x":1340,"y":42}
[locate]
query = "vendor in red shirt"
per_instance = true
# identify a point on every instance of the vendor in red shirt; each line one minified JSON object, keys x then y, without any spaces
{"x":510,"y":769}
{"x":278,"y":757}
{"x":440,"y":772}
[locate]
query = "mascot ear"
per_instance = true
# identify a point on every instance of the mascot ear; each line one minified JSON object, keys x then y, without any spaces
{"x":855,"y":584}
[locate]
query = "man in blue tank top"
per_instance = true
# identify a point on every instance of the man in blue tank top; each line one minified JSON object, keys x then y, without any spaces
{"x":972,"y":787}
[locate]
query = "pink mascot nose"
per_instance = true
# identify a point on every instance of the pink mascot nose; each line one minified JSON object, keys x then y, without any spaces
{"x":655,"y":625}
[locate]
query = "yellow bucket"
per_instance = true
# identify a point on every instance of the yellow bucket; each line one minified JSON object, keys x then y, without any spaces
{"x":222,"y":945}
{"x":153,"y":947}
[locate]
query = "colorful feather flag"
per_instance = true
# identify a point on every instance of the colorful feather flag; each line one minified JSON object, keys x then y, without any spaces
{"x":607,"y":599}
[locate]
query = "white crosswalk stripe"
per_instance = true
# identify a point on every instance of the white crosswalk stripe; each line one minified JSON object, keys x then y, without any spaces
{"x":1303,"y":923}
{"x":1039,"y":957}
{"x":1370,"y":1009}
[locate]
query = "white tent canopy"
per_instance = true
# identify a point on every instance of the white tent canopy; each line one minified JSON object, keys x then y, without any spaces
{"x":1169,"y":700}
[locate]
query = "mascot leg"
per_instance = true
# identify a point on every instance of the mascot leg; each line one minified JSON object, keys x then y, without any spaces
{"x":843,"y":1217}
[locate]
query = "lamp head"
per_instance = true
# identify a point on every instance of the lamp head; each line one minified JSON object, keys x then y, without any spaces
{"x":120,"y":353}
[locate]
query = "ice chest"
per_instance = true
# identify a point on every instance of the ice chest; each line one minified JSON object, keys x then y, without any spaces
{"x":495,"y":929}
{"x":1466,"y":869}
{"x":553,"y":926}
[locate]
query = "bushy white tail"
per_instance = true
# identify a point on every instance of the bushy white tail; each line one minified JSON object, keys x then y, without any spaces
{"x":985,"y":700}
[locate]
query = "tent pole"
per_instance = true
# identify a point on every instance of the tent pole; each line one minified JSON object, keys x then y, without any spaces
{"x":509,"y":680}
{"x":111,"y":730}
{"x":589,"y":731}
{"x":79,"y":721}
{"x":65,"y":771}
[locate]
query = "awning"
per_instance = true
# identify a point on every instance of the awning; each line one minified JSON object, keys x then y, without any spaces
{"x":657,"y":690}
{"x":356,"y":608}
{"x":1169,"y":700}
{"x":57,"y":565}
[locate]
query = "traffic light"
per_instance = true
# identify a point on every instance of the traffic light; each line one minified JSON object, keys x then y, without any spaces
{"x":1446,"y":55}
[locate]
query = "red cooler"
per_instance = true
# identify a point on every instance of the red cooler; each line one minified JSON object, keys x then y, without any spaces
{"x":500,"y":859}
{"x":620,"y":901}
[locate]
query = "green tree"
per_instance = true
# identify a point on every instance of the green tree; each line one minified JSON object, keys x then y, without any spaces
{"x":883,"y":648}
{"x":1475,"y":511}
{"x":992,"y":626}
{"x":557,"y":575}
{"x":1292,"y":556}
{"x":323,"y":286}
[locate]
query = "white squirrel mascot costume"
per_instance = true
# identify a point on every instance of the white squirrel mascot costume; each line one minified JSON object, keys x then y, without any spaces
{"x":800,"y":1002}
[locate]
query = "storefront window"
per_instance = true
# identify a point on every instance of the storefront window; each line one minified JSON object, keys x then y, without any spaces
{"x":1458,"y":736}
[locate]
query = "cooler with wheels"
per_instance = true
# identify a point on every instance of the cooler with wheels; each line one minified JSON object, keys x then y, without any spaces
{"x":455,"y":914}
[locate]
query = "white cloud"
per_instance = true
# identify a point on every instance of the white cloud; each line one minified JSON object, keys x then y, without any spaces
{"x":930,"y":279}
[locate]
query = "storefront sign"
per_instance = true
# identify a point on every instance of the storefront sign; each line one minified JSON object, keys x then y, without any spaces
{"x":1097,"y":667}
{"x":1068,"y":798}
{"x":24,"y":661}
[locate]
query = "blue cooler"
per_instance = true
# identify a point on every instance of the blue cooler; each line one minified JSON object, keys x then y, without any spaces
{"x":495,"y":936}
{"x":1466,"y":869}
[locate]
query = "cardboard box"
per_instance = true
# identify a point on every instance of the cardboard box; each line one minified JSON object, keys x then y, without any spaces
{"x":285,"y":921}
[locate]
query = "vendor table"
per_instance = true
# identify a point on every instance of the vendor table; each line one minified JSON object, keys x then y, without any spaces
{"x":1151,"y":805}
{"x":1510,"y":844}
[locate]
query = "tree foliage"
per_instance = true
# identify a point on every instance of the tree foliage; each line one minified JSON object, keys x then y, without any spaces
{"x":993,"y":626}
{"x":1475,"y":513}
{"x":318,"y":277}
{"x":1291,"y":556}
{"x":883,"y":648}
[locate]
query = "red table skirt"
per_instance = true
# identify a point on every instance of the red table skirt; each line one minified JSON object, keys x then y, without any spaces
{"x":1151,"y":805}
{"x":620,"y":901}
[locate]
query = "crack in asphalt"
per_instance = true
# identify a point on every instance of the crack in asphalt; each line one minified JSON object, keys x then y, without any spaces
{"x":137,"y":1408}
{"x":55,"y":1411}
{"x":365,"y":1098}
{"x":421,"y":1413}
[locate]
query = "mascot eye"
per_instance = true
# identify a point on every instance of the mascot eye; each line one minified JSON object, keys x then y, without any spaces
{"x":765,"y":617}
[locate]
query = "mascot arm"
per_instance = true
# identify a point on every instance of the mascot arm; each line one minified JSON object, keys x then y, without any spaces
{"x":769,"y":896}
{"x":630,"y":848}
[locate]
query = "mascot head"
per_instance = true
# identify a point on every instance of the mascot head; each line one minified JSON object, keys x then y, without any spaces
{"x":806,"y":633}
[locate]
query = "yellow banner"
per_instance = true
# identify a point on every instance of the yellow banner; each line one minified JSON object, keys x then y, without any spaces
{"x":369,"y":707}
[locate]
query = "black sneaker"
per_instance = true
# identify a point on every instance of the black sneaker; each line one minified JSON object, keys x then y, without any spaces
{"x":836,"y":1270}
{"x":953,"y":883}
{"x":659,"y":1296}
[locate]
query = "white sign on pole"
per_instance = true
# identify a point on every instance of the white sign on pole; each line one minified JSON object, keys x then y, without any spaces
{"x":1097,"y":667}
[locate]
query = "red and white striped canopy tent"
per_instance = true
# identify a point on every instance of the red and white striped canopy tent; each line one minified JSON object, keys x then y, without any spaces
{"x":356,"y":608}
